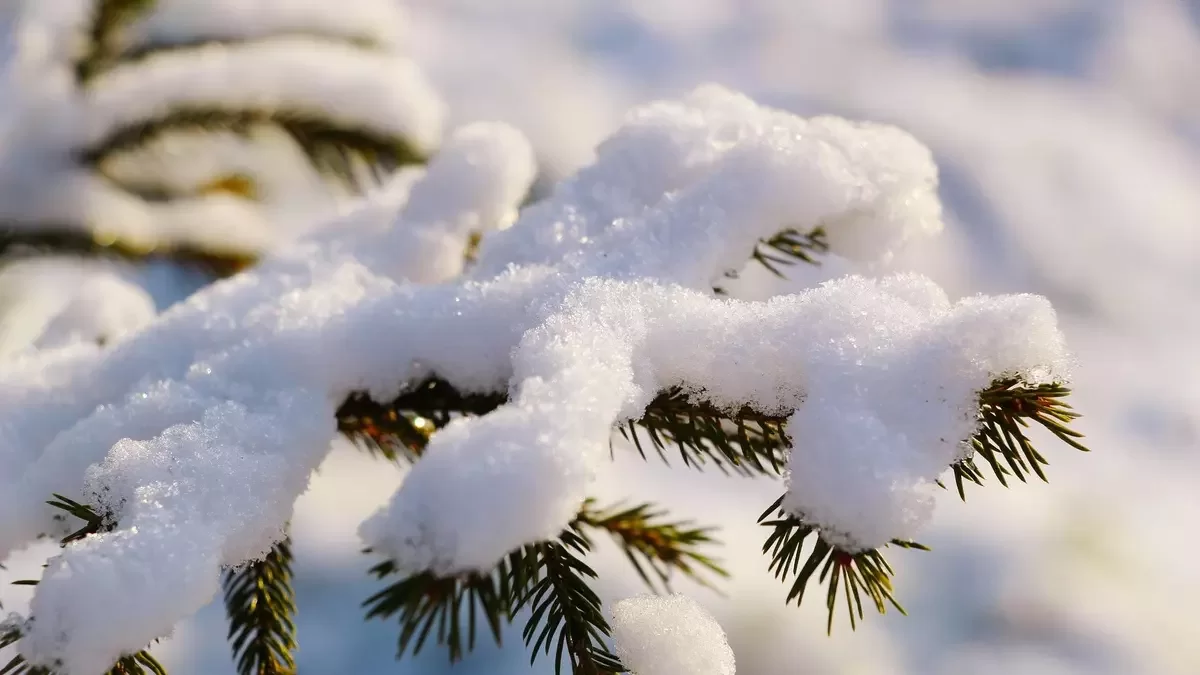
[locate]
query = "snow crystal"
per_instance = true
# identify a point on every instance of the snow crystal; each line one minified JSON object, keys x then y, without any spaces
{"x":669,"y":635}
{"x":199,"y":431}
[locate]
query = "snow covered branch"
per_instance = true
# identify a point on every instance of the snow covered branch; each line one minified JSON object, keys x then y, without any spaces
{"x":504,"y":378}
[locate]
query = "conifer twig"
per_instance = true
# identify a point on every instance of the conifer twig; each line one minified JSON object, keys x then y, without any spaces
{"x":653,"y":545}
{"x":24,"y":241}
{"x":857,"y":573}
{"x":566,"y":614}
{"x":260,"y":604}
{"x":455,"y":606}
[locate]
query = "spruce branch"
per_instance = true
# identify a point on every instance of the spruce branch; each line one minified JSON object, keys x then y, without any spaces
{"x":23,"y":241}
{"x":744,"y":441}
{"x":402,"y":427}
{"x":566,"y":614}
{"x":790,"y":247}
{"x":1005,"y":411}
{"x":456,"y":605}
{"x":857,"y":573}
{"x":103,"y":45}
{"x":328,"y":143}
{"x":785,"y":248}
{"x":260,"y":604}
{"x":653,"y":545}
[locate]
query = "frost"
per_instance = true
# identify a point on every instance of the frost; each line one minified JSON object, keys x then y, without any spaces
{"x":198,"y":432}
{"x":669,"y":635}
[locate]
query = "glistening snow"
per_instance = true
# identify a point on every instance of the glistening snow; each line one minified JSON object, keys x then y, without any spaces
{"x":199,"y":431}
{"x":669,"y":635}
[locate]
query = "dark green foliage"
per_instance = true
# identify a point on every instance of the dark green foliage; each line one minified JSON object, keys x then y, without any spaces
{"x":402,"y":426}
{"x":745,"y":441}
{"x":260,"y":604}
{"x":856,"y":572}
{"x":458,"y":607}
{"x":1005,"y":412}
{"x":653,"y":545}
{"x":549,"y":578}
{"x":790,"y":247}
{"x":566,"y":614}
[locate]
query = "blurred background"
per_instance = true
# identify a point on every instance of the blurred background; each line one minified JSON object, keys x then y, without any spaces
{"x":1068,"y":137}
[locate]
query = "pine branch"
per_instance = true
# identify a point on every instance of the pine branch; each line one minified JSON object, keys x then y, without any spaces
{"x":147,"y":50}
{"x":328,"y":143}
{"x":260,"y":604}
{"x":745,"y":442}
{"x":103,"y":45}
{"x":784,"y":249}
{"x":566,"y":613}
{"x":652,"y":545}
{"x":400,"y":428}
{"x":424,"y":601}
{"x":25,"y":241}
{"x":857,"y":573}
{"x":1005,"y":411}
{"x":790,"y":247}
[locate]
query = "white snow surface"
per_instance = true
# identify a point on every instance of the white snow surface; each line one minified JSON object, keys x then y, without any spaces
{"x":669,"y":635}
{"x":54,"y":302}
{"x":198,"y":432}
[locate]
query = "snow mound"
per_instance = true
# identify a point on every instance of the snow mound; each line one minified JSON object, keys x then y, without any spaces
{"x":669,"y":635}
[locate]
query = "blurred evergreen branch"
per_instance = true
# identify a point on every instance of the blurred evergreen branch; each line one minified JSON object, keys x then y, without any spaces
{"x":260,"y":604}
{"x":103,"y":45}
{"x":24,"y":241}
{"x":746,"y":442}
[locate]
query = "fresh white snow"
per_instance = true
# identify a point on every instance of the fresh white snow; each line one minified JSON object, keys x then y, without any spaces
{"x":199,"y":431}
{"x":669,"y":635}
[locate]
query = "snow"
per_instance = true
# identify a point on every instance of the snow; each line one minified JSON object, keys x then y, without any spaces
{"x":669,"y":635}
{"x":199,"y":431}
{"x":53,"y":302}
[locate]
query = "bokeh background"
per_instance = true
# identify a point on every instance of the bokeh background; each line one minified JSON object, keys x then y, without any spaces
{"x":1068,"y":136}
